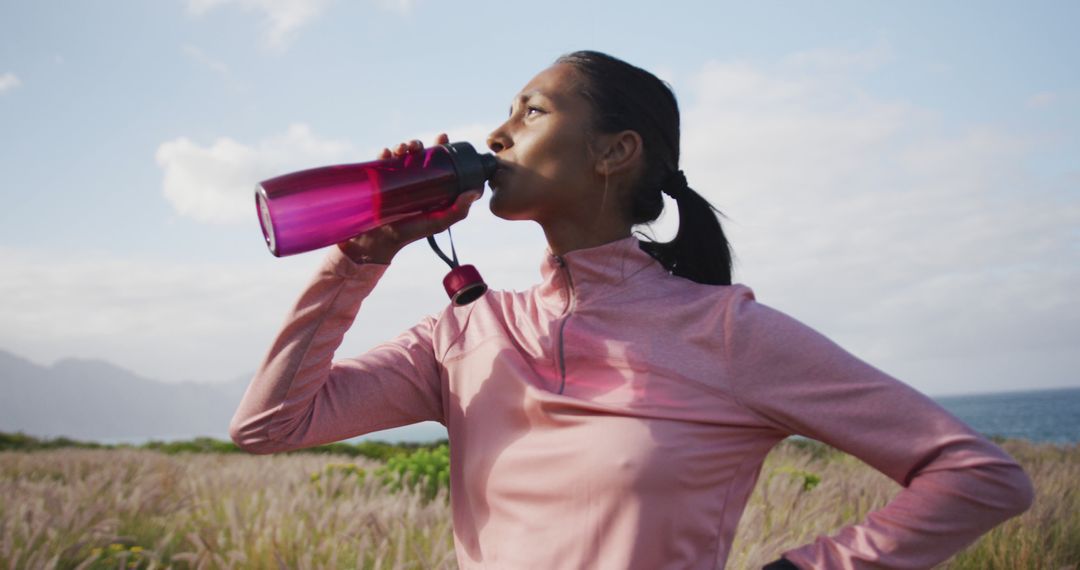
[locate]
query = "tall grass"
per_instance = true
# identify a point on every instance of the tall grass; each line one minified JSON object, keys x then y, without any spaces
{"x":784,"y":513}
{"x":141,"y":508}
{"x":67,"y":508}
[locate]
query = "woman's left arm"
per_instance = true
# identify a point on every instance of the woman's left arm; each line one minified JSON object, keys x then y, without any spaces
{"x":957,"y":484}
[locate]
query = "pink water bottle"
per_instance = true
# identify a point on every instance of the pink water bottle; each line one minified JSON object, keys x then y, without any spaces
{"x":310,"y":209}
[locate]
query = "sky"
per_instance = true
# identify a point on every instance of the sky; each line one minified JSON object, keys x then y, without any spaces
{"x":902,"y":177}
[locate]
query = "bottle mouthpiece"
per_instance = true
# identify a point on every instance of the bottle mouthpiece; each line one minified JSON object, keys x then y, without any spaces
{"x":473,"y":168}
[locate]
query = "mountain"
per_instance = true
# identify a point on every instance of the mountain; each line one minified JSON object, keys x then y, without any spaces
{"x":95,"y":400}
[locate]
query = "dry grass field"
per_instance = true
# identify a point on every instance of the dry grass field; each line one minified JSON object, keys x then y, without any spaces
{"x":136,"y":508}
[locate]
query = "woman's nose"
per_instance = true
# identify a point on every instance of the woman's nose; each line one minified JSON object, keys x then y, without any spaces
{"x":498,"y":140}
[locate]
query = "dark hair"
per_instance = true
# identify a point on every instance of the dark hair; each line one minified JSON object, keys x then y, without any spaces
{"x":625,"y":97}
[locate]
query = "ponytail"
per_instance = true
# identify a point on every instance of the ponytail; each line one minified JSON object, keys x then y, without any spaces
{"x":699,"y":251}
{"x":624,"y":96}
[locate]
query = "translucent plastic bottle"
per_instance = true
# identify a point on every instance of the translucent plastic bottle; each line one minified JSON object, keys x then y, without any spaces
{"x":310,"y":209}
{"x":323,"y":206}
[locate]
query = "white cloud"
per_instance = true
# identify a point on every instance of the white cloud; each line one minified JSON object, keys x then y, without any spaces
{"x":1042,"y":100}
{"x":216,"y":183}
{"x":201,"y":57}
{"x":934,"y":253}
{"x":214,"y":321}
{"x":864,"y":217}
{"x":839,"y":60}
{"x":162,"y":319}
{"x":281,"y":18}
{"x":9,"y":81}
{"x":215,"y":65}
{"x":217,"y":320}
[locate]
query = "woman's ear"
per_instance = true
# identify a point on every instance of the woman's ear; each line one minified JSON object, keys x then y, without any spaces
{"x":620,"y":152}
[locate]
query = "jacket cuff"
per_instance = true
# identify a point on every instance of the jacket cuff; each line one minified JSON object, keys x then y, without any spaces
{"x":339,"y":264}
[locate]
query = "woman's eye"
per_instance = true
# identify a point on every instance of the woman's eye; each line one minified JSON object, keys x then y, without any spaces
{"x":530,"y":110}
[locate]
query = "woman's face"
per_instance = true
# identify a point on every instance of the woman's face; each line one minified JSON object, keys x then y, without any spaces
{"x":547,"y":172}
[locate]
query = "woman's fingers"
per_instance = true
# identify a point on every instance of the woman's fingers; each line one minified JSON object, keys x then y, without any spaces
{"x":436,"y":222}
{"x":457,"y":212}
{"x":406,"y":147}
{"x":381,"y":244}
{"x":430,"y":223}
{"x":415,"y":145}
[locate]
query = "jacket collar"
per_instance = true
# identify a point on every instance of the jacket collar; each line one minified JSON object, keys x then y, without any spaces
{"x":586,"y":274}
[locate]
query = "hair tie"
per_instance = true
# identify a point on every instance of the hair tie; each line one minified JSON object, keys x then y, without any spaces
{"x":675,"y":184}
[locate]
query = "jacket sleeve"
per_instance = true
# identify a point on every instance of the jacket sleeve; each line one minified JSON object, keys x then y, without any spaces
{"x":956,"y":484}
{"x":300,"y":397}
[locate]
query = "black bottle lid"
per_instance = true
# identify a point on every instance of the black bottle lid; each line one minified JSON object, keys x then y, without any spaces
{"x":473,"y":168}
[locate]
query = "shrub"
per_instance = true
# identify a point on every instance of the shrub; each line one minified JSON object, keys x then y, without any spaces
{"x":423,"y":471}
{"x":426,"y":471}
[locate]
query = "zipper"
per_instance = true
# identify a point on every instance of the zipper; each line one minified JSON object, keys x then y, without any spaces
{"x":566,"y":316}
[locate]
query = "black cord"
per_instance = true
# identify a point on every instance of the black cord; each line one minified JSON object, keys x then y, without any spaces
{"x":450,"y":234}
{"x":453,"y":263}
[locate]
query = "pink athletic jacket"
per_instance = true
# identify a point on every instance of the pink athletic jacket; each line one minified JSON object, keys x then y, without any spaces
{"x":616,"y":416}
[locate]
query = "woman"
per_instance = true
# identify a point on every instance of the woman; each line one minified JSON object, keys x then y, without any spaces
{"x":617,"y":414}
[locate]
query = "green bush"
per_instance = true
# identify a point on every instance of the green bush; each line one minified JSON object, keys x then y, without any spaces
{"x":22,"y":442}
{"x":426,"y":471}
{"x":377,"y":450}
{"x":197,"y":445}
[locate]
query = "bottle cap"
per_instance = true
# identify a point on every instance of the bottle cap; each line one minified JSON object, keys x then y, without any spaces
{"x":464,"y":285}
{"x":473,"y":169}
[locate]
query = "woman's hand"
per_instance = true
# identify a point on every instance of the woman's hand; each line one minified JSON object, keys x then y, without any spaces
{"x":382,"y":243}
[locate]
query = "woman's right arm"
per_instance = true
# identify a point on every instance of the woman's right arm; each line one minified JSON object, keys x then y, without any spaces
{"x":301,"y":397}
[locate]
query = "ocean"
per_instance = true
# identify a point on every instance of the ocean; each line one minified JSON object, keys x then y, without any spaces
{"x":1044,"y":416}
{"x":1048,"y":416}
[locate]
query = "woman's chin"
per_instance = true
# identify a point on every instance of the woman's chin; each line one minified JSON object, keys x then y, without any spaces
{"x":503,"y":208}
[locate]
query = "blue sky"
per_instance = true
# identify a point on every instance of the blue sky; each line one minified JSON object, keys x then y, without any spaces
{"x":901,"y":176}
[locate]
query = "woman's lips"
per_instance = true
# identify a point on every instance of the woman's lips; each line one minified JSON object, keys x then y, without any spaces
{"x":499,"y":177}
